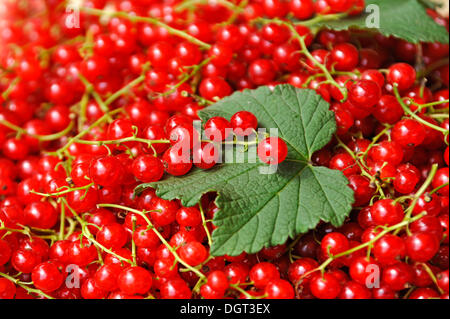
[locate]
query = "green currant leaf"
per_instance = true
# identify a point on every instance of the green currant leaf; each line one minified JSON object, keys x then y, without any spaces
{"x":257,"y":209}
{"x":404,"y":19}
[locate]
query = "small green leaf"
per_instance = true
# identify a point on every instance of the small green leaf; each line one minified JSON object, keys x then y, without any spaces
{"x":257,"y":209}
{"x":404,"y":19}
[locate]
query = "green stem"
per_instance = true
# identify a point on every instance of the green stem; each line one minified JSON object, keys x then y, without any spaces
{"x":133,"y":244}
{"x":124,"y":140}
{"x":321,"y":18}
{"x":420,"y":192}
{"x":83,"y":105}
{"x":432,"y":276}
{"x":86,"y":233}
{"x":188,"y":4}
{"x":245,"y":293}
{"x":11,"y":86}
{"x":28,"y":289}
{"x":153,"y":21}
{"x":90,"y":89}
{"x":124,"y":89}
{"x":84,"y":132}
{"x":163,"y":240}
{"x":49,"y":137}
{"x":62,"y":222}
{"x":69,"y":190}
{"x":366,"y":244}
{"x":205,"y":226}
{"x":186,"y":77}
{"x":438,"y":188}
{"x":414,"y":115}
{"x":305,"y":51}
{"x":422,"y":106}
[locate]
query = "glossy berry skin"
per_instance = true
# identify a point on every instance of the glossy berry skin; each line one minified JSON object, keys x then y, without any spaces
{"x":243,"y":123}
{"x":206,"y":155}
{"x":398,"y":276}
{"x":345,"y":163}
{"x":106,"y":277}
{"x":405,"y":181}
{"x":134,"y":280}
{"x":362,"y":188}
{"x":424,"y":293}
{"x":185,"y":136}
{"x":361,"y":270}
{"x":387,"y":151}
{"x":5,"y":252}
{"x":261,"y":72}
{"x":147,"y":168}
{"x":261,"y":274}
{"x":300,"y":267}
{"x":302,"y":9}
{"x":147,"y":238}
{"x":155,"y":132}
{"x":164,"y":268}
{"x":112,"y":236}
{"x":272,"y":150}
{"x":428,"y":203}
{"x":389,"y":249}
{"x":401,"y":74}
{"x":24,"y":260}
{"x":279,"y":289}
{"x":353,"y":290}
{"x":193,"y":253}
{"x":408,"y":133}
{"x":47,"y":277}
{"x":443,"y":281}
{"x":81,"y":254}
{"x":221,"y":54}
{"x":209,"y":293}
{"x":119,"y":129}
{"x":15,"y":149}
{"x":163,"y":212}
{"x":40,"y":215}
{"x":218,"y":281}
{"x":441,"y":178}
{"x":175,"y":289}
{"x":90,"y":291}
{"x":345,"y":57}
{"x":217,"y":129}
{"x":81,"y":201}
{"x":334,"y":244}
{"x":7,"y":289}
{"x":364,"y":94}
{"x":213,"y":88}
{"x":386,"y":212}
{"x":421,"y":247}
{"x":325,"y":287}
{"x":176,"y":161}
{"x":189,"y":216}
{"x":106,"y":171}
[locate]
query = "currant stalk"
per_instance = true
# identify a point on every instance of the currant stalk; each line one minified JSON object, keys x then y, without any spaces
{"x":163,"y":240}
{"x":153,"y":21}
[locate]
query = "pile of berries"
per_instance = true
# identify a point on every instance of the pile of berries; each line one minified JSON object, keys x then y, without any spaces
{"x":97,"y":101}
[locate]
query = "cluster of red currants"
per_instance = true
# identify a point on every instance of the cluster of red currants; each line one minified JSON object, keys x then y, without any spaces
{"x":89,"y":112}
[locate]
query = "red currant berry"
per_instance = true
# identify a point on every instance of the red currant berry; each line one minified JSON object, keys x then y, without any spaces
{"x":243,"y":123}
{"x":272,"y":150}
{"x":401,"y":74}
{"x":134,"y":280}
